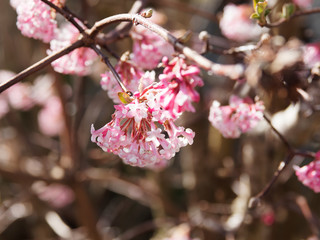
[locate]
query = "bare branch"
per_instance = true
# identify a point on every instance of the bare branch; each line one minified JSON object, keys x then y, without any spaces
{"x":41,"y":64}
{"x":232,"y":71}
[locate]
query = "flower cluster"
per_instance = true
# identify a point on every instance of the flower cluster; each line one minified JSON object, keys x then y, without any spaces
{"x":77,"y":62}
{"x":36,"y":19}
{"x":132,"y":77}
{"x":148,"y":48}
{"x":311,"y":54}
{"x":141,"y":133}
{"x":24,"y":96}
{"x":309,"y":175}
{"x":236,"y":24}
{"x":238,"y":117}
{"x":17,"y":97}
{"x":177,"y":84}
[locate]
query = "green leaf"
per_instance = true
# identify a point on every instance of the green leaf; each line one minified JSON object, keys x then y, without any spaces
{"x":261,"y":7}
{"x":124,"y":97}
{"x":288,"y":10}
{"x":254,"y":16}
{"x":255,"y":2}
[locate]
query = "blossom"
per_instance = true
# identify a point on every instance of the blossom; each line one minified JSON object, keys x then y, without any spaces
{"x":177,"y":84}
{"x":55,"y":194}
{"x":309,"y":174}
{"x":131,"y":75}
{"x":50,"y":117}
{"x":236,"y":24}
{"x":76,"y":62}
{"x":238,"y":117}
{"x":148,"y":48}
{"x":139,"y":134}
{"x":303,"y":3}
{"x":17,"y":96}
{"x":36,"y":19}
{"x":311,"y":54}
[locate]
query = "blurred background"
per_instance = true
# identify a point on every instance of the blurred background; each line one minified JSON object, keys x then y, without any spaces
{"x":56,"y":184}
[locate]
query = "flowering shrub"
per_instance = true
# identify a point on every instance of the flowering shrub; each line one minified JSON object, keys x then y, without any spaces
{"x":179,"y":183}
{"x":137,"y":132}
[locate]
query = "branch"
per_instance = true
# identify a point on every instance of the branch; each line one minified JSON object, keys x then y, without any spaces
{"x":67,"y":14}
{"x":232,"y":71}
{"x":114,"y":72}
{"x":41,"y":64}
{"x":297,"y":14}
{"x":254,"y":201}
{"x":282,"y":138}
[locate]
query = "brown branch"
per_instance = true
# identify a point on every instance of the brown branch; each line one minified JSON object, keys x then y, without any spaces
{"x":123,"y":28}
{"x":282,"y":138}
{"x":41,"y":64}
{"x":254,"y":201}
{"x":67,"y":14}
{"x":114,"y":72}
{"x":283,"y":20}
{"x":232,"y":71}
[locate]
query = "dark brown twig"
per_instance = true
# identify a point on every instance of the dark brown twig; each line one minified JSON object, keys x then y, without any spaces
{"x":297,"y":14}
{"x":41,"y":64}
{"x":107,"y":62}
{"x":67,"y":14}
{"x":282,"y":138}
{"x":232,"y":71}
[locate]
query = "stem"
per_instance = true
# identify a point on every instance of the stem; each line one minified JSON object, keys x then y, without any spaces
{"x":106,"y":61}
{"x":67,"y":14}
{"x":283,"y":164}
{"x":232,"y":71}
{"x":297,"y":14}
{"x":282,"y":138}
{"x":41,"y":64}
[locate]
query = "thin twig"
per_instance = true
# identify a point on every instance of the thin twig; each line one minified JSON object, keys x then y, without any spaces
{"x":254,"y":201}
{"x":301,"y":201}
{"x":297,"y":14}
{"x":114,"y":72}
{"x":67,"y":14}
{"x":41,"y":64}
{"x":282,"y":138}
{"x":232,"y":71}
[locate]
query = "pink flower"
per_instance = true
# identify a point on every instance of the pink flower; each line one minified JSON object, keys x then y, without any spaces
{"x":132,"y":77}
{"x":311,"y":54}
{"x":36,"y":19}
{"x":303,"y":3}
{"x":57,"y":195}
{"x":18,"y":96}
{"x":236,"y":24}
{"x":50,"y":117}
{"x":309,"y":174}
{"x":177,"y":84}
{"x":238,"y":117}
{"x":138,"y":135}
{"x":77,"y":62}
{"x":148,"y":48}
{"x":43,"y":89}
